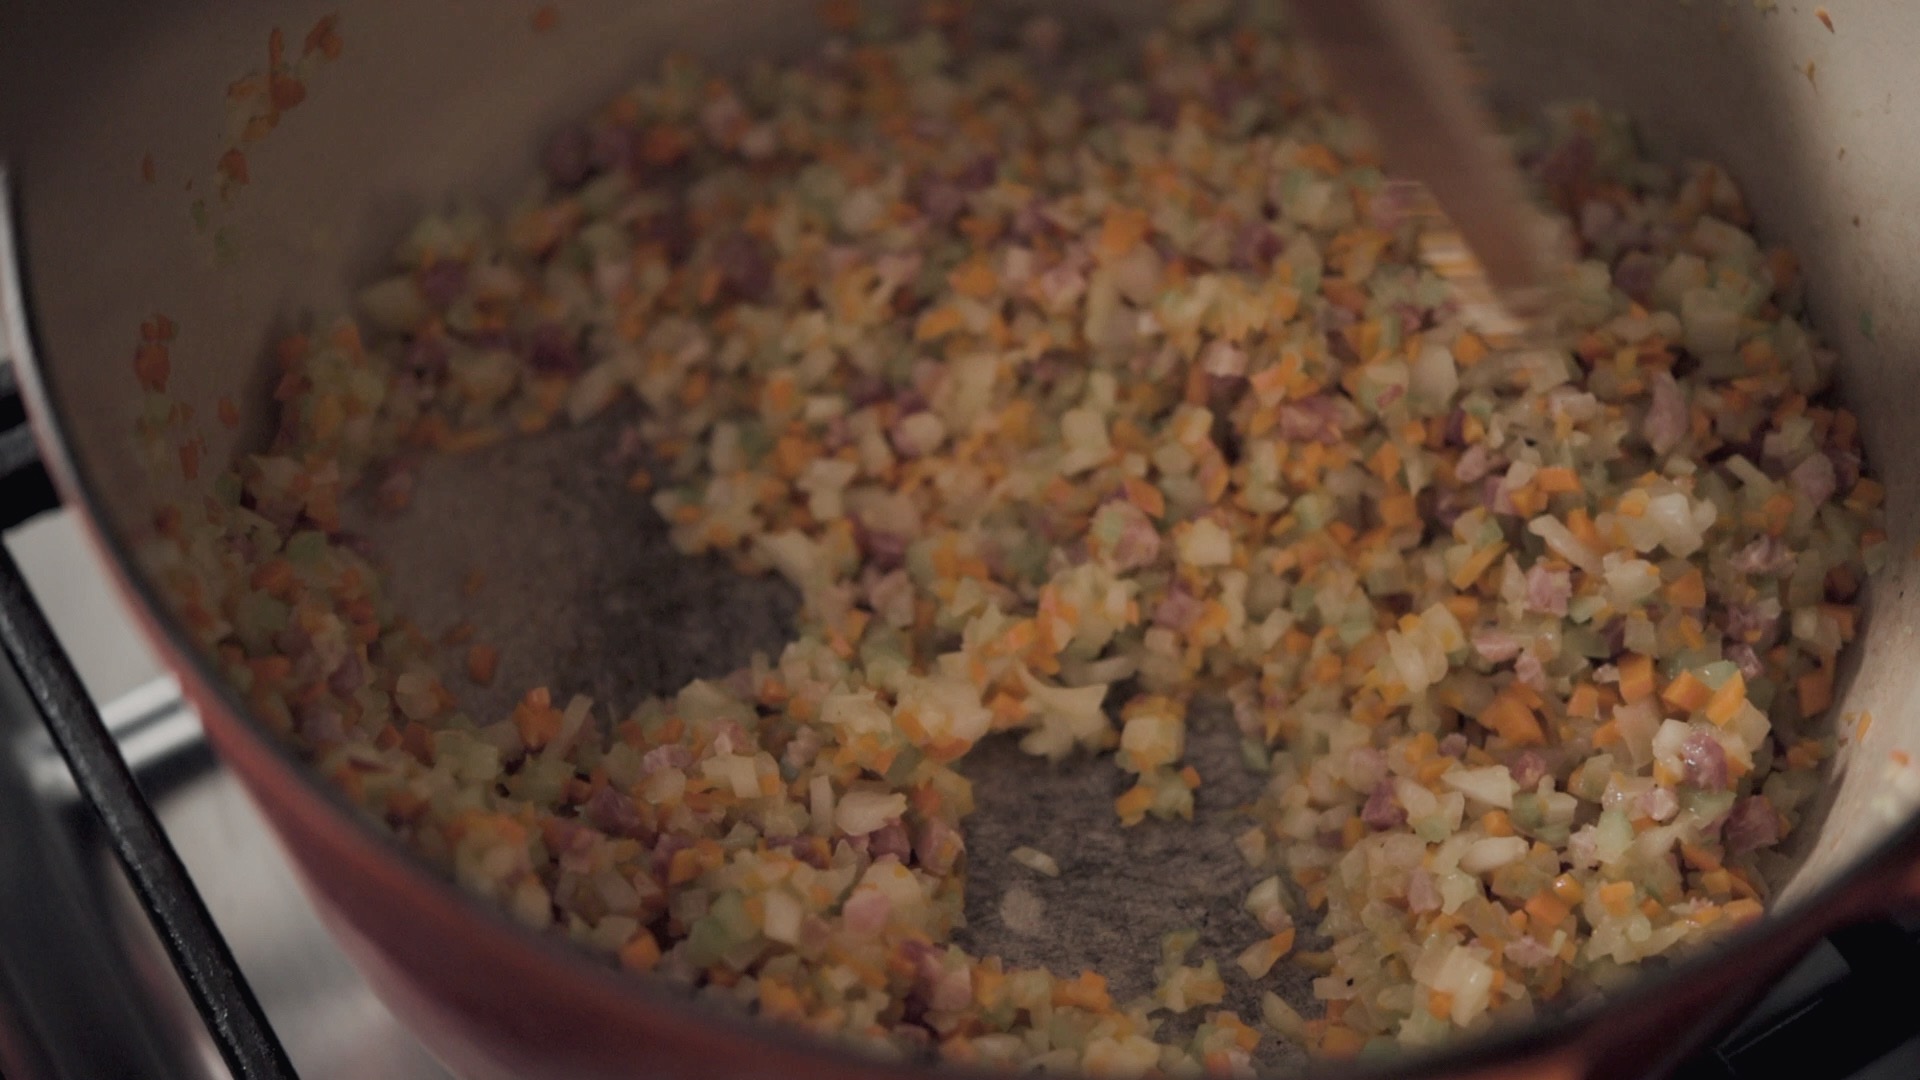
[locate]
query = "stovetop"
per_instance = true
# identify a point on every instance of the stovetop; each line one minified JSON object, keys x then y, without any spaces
{"x":59,"y":880}
{"x":87,"y":989}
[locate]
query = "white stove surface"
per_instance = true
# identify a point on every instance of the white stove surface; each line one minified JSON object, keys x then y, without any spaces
{"x":332,"y":1025}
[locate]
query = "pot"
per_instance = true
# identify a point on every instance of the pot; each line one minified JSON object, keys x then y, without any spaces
{"x":115,"y":136}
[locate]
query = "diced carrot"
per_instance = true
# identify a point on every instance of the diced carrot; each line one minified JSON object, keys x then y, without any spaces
{"x":1385,"y":462}
{"x":1440,"y":1003}
{"x":1805,"y":754}
{"x":1815,"y":690}
{"x":641,"y":953}
{"x":1584,"y":701}
{"x":1568,"y":889}
{"x":1846,"y":427}
{"x":1342,"y":1042}
{"x":1742,"y":911}
{"x":683,"y":867}
{"x":1398,"y":511}
{"x":1689,"y":591}
{"x":989,"y":984}
{"x":1421,"y":746}
{"x":1699,"y":858}
{"x":1352,"y":831}
{"x":1465,"y":608}
{"x":1510,"y":717}
{"x":271,"y":669}
{"x":1476,"y":565}
{"x":1469,"y":350}
{"x":1580,"y":524}
{"x":938,"y":323}
{"x":1528,"y":500}
{"x":1122,"y":231}
{"x":1088,"y":991}
{"x":1326,"y":670}
{"x":273,"y":576}
{"x":483,"y":662}
{"x":536,"y":719}
{"x":1318,"y":157}
{"x":1726,"y":701}
{"x":974,"y":278}
{"x":779,"y":1000}
{"x":1132,"y":806}
{"x":1617,"y":897}
{"x":1776,"y":512}
{"x":1687,"y":693}
{"x":1269,"y":385}
{"x":1146,"y":497}
{"x":1636,"y":678}
{"x":1717,"y":882}
{"x":1742,"y":886}
{"x":1557,"y":480}
{"x":1706,"y":915}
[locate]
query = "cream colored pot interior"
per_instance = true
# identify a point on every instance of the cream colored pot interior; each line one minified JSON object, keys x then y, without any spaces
{"x":438,"y":96}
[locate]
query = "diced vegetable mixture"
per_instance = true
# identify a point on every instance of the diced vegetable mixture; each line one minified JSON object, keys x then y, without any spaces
{"x":1070,"y":385}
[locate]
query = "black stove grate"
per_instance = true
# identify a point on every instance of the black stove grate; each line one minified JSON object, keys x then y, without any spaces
{"x":1845,"y":1027}
{"x":199,"y":953}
